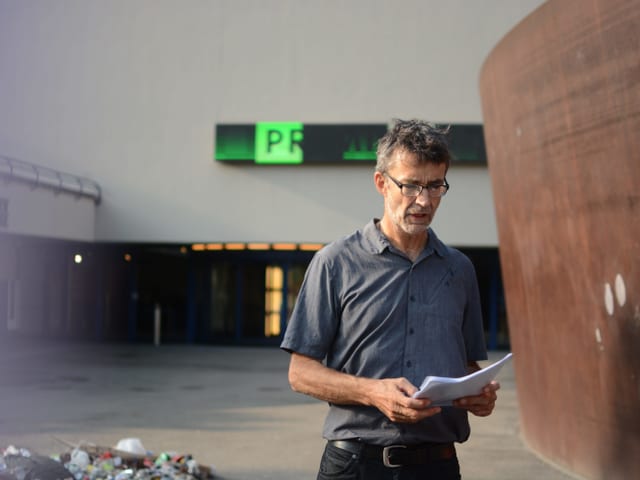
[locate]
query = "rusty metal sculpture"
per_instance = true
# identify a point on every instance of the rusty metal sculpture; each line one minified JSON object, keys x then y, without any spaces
{"x":561,"y":104}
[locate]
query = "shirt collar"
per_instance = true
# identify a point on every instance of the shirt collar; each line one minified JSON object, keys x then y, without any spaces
{"x":376,"y":241}
{"x":434,"y":244}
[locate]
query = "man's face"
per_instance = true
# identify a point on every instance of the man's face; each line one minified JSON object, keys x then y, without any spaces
{"x":411,"y":215}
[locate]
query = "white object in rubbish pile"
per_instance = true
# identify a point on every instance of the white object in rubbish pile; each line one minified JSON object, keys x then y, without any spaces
{"x":80,"y":458}
{"x":131,"y":445}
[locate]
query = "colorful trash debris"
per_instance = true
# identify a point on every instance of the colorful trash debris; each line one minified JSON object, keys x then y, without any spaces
{"x":89,"y":462}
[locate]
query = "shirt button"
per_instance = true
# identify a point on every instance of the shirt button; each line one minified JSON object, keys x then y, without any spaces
{"x":412,"y":298}
{"x":408,"y":363}
{"x":411,"y":331}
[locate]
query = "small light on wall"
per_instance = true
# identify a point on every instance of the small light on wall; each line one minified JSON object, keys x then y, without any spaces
{"x":258,"y":246}
{"x":127,"y":257}
{"x":77,"y":258}
{"x":310,"y":247}
{"x":235,"y":246}
{"x":284,"y":246}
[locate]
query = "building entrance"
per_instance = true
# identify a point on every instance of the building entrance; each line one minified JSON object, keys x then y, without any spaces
{"x":245,"y":301}
{"x":175,"y":293}
{"x":222,"y":297}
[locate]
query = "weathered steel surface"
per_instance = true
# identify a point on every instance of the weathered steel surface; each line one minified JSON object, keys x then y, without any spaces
{"x":561,"y":104}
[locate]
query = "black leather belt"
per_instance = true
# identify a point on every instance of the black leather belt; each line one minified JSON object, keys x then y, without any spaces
{"x":399,"y":455}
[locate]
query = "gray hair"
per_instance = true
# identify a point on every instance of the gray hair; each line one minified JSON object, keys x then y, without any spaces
{"x":428,"y":142}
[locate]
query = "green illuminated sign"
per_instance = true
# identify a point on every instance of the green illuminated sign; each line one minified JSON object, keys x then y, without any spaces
{"x":294,"y":143}
{"x":279,"y":142}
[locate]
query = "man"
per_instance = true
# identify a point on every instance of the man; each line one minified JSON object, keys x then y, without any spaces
{"x":381,"y":309}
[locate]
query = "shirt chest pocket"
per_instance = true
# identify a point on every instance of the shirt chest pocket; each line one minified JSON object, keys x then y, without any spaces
{"x":441,"y":301}
{"x":444,"y":288}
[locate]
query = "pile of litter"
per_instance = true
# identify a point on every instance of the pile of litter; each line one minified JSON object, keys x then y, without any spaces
{"x":128,"y":461}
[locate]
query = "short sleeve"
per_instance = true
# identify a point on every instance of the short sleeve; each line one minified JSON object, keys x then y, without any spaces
{"x":315,"y":317}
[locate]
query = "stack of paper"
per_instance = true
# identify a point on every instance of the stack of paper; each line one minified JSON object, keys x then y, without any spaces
{"x":442,"y":390}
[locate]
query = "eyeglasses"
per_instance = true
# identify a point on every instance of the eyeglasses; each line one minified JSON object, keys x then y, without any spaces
{"x":434,"y":190}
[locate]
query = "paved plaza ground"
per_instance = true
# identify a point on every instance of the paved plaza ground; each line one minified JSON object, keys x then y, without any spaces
{"x":230,"y":407}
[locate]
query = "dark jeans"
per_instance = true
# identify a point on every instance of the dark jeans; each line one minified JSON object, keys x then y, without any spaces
{"x":338,"y":464}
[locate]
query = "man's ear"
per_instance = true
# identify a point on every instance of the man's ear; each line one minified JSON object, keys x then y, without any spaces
{"x":379,"y":180}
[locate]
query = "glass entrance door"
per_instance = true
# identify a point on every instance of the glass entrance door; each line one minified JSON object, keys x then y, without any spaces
{"x":250,"y":302}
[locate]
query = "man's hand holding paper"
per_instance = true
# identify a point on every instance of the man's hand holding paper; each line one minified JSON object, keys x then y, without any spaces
{"x":475,"y":392}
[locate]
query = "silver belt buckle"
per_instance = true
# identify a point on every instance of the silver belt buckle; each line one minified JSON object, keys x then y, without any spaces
{"x":385,"y":456}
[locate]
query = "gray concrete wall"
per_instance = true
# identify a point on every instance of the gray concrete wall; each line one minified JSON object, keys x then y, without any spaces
{"x":129,"y":93}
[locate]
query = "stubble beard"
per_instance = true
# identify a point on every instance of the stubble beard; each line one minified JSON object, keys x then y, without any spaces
{"x":401,"y":222}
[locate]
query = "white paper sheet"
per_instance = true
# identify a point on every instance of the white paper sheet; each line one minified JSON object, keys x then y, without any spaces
{"x":443,"y":390}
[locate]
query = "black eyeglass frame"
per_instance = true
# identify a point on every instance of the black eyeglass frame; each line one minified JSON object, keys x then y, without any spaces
{"x":431,"y":189}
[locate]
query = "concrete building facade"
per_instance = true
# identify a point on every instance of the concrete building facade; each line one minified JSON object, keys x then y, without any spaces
{"x":113,"y":206}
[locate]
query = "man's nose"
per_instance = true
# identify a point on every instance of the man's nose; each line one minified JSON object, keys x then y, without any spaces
{"x":423,"y":197}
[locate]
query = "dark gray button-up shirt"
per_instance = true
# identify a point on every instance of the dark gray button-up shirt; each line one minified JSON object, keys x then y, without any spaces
{"x":366,"y":309}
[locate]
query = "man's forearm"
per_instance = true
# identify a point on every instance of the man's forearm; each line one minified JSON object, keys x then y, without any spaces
{"x":309,"y":376}
{"x":392,"y":396}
